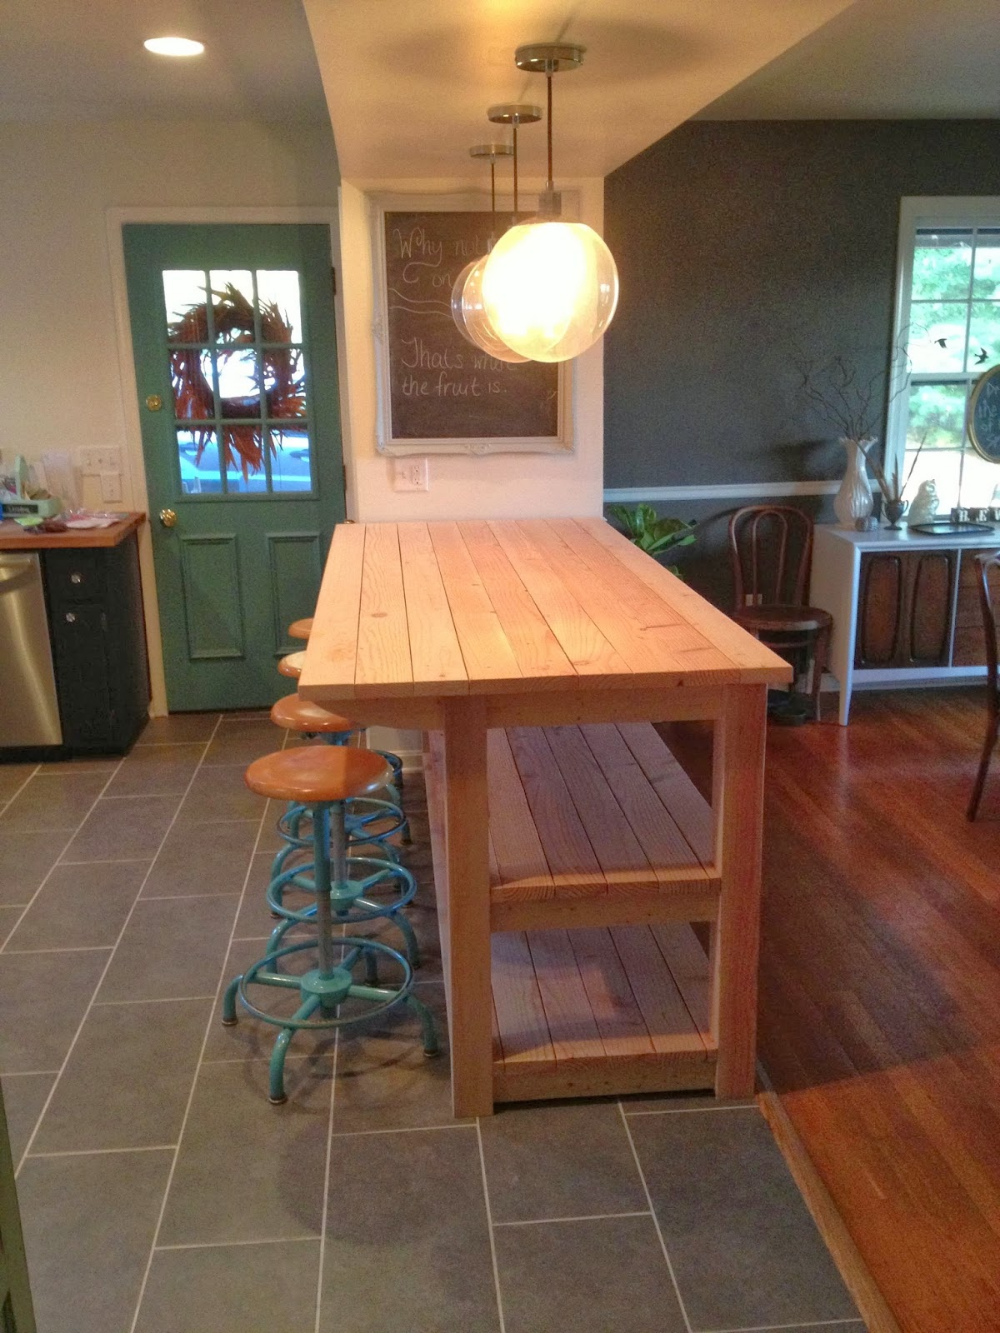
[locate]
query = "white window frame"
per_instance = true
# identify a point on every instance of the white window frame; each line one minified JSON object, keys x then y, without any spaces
{"x":917,"y":213}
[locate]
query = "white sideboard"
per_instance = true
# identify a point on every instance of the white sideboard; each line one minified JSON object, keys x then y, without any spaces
{"x":903,"y":605}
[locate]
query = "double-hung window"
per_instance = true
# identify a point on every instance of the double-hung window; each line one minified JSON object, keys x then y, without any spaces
{"x":947,"y":334}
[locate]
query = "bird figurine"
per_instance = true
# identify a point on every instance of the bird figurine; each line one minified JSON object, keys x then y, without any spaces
{"x":925,"y":504}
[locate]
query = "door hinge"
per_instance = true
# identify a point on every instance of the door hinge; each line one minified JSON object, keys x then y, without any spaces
{"x":343,"y":471}
{"x":333,"y":280}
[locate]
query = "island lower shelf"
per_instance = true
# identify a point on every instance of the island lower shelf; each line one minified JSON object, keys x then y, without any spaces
{"x":601,"y":858}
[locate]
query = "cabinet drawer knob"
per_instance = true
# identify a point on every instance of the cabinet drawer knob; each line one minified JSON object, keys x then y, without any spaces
{"x":71,"y":617}
{"x":76,"y":578}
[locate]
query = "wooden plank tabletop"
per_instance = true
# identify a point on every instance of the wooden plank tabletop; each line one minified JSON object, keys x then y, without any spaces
{"x":15,"y":538}
{"x":513,"y":606}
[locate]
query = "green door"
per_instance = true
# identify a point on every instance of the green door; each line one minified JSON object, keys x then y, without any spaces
{"x":236,"y":363}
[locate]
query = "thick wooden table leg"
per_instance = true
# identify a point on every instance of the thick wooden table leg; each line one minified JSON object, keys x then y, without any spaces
{"x":466,"y":834}
{"x":738,"y":798}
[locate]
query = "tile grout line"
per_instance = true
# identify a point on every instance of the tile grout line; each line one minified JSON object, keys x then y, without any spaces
{"x":101,"y":1152}
{"x":204,"y":1042}
{"x":150,"y":999}
{"x":17,"y":792}
{"x":326,"y":1179}
{"x":777,"y":1328}
{"x":589,"y":1217}
{"x":656,"y":1220}
{"x":224,"y":1244}
{"x":692,"y":1110}
{"x":30,"y":903}
{"x":107,"y":965}
{"x":489,"y":1226}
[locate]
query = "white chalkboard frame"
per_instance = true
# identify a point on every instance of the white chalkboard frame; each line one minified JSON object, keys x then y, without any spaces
{"x":560,"y":443}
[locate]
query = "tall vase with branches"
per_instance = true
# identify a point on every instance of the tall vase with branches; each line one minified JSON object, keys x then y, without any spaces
{"x":851,"y":400}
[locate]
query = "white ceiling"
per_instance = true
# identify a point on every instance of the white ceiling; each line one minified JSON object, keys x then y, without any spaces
{"x":882,"y":59}
{"x":84,"y":60}
{"x":407,"y":82}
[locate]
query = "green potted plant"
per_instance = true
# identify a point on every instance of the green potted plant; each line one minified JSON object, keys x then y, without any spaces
{"x":652,"y":534}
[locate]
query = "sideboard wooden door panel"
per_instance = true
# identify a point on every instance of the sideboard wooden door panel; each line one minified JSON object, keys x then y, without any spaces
{"x":970,"y":644}
{"x":904,"y":608}
{"x":879,"y":610}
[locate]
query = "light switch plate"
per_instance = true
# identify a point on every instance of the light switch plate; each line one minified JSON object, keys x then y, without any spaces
{"x":97,"y":459}
{"x":111,"y":487}
{"x":410,"y":474}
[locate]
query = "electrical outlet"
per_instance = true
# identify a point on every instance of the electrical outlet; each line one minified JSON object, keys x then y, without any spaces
{"x":410,"y":474}
{"x":97,"y":459}
{"x":111,"y":487}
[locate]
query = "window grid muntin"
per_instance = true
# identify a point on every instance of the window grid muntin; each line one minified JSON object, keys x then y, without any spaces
{"x":268,"y":424}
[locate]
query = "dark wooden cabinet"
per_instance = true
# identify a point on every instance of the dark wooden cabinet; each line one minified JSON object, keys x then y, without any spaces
{"x":905,"y":601}
{"x":98,"y":644}
{"x":970,"y":640}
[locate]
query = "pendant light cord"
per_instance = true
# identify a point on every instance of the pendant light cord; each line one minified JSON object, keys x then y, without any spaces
{"x":550,"y":185}
{"x":515,"y":171}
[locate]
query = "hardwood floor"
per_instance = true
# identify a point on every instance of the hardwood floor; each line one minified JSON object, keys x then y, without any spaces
{"x":880,"y":990}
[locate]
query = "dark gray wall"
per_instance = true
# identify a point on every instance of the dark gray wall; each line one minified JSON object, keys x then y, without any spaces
{"x":737,"y":242}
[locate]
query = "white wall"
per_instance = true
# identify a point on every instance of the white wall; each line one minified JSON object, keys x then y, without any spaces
{"x":60,"y":381}
{"x":461,"y":486}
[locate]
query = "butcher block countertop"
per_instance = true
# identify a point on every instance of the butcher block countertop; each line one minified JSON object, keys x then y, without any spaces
{"x":15,"y":538}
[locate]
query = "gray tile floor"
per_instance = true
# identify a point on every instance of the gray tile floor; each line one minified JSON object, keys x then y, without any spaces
{"x":161,"y":1192}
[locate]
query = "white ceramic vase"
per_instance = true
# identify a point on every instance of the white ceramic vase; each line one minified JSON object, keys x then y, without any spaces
{"x":854,"y":499}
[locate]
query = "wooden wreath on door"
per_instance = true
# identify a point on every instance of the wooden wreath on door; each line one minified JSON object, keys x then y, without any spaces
{"x":281,"y":367}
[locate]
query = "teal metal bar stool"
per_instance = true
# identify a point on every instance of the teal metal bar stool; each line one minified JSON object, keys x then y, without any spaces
{"x":324,"y":778}
{"x":368,"y":822}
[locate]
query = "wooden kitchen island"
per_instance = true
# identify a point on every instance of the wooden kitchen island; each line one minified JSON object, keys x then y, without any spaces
{"x":573,"y":857}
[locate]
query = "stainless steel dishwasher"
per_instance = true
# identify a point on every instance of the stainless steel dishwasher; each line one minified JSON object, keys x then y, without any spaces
{"x":29,"y":708}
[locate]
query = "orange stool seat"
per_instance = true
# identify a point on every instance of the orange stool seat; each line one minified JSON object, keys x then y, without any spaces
{"x":296,"y":714}
{"x":300,"y":629}
{"x":318,"y":773}
{"x":292,"y":665}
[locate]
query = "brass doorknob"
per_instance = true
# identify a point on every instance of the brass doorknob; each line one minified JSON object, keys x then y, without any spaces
{"x":168,"y":518}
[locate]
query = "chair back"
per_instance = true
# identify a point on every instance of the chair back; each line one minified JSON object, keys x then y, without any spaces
{"x":771,"y":548}
{"x":990,"y":565}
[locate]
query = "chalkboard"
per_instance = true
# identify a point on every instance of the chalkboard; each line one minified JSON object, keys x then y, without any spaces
{"x":439,"y":393}
{"x":984,"y":415}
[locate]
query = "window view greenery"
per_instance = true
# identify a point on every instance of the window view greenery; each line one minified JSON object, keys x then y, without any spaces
{"x":953,"y":337}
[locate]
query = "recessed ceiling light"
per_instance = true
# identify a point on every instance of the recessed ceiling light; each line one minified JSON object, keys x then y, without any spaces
{"x":173,"y":46}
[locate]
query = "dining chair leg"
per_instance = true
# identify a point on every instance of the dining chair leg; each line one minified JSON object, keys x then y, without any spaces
{"x":984,"y":763}
{"x":821,"y":653}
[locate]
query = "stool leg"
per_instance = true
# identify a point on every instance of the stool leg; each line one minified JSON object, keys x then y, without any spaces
{"x":229,"y":1002}
{"x":325,"y":832}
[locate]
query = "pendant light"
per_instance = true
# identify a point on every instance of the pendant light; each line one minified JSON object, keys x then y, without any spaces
{"x":476,"y":328}
{"x":468,"y":310}
{"x":550,"y":287}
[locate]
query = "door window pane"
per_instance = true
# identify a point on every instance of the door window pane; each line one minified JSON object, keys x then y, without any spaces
{"x":239,"y":394}
{"x":284,"y":382}
{"x":198,"y":454}
{"x":280,"y":305}
{"x":233,"y":305}
{"x":291,"y":468}
{"x":184,"y":291}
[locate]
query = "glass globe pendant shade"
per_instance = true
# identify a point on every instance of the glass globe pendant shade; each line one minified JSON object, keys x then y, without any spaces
{"x":457,"y":313}
{"x":475,"y":321}
{"x":550,"y":289}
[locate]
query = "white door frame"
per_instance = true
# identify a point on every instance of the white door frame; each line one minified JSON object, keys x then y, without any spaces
{"x":134,"y":490}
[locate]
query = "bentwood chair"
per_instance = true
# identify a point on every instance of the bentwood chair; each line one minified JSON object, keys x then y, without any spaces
{"x":986,"y":564}
{"x":771,"y":548}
